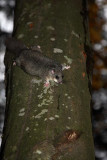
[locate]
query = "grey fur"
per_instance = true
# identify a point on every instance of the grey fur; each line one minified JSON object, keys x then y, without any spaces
{"x":33,"y":62}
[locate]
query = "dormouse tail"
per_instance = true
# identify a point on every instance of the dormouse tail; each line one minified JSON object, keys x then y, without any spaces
{"x":15,"y":46}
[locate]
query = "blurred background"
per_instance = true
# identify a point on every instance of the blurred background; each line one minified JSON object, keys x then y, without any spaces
{"x":6,"y":27}
{"x":97,"y":12}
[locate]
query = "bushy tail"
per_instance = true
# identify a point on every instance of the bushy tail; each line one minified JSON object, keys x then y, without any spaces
{"x":15,"y":46}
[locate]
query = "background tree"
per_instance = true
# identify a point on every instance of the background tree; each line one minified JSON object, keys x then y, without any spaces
{"x":49,"y":123}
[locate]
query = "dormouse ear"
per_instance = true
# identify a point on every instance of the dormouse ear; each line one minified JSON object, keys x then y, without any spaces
{"x":63,"y":66}
{"x":53,"y":71}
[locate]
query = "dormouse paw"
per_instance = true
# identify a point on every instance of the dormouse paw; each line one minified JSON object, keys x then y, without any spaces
{"x":65,"y":67}
{"x":46,"y":84}
{"x":14,"y":63}
{"x":36,"y":48}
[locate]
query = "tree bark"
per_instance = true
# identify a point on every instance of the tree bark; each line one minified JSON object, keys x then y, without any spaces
{"x":55,"y":123}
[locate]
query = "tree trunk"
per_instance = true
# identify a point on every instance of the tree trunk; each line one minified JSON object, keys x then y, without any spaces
{"x":55,"y":123}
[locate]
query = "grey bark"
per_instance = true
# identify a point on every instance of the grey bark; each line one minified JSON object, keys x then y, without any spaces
{"x":40,"y":123}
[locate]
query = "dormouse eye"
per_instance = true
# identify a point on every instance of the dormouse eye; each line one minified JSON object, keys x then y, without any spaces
{"x":57,"y":77}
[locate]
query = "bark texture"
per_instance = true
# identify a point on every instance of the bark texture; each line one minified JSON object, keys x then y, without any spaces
{"x":49,"y":124}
